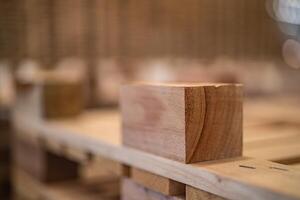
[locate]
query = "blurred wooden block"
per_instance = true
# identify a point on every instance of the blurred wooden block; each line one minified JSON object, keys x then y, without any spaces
{"x":50,"y":93}
{"x":45,"y":166}
{"x":157,"y":183}
{"x":94,"y":189}
{"x":187,"y":123}
{"x":196,"y":194}
{"x":51,"y":99}
{"x":134,"y":191}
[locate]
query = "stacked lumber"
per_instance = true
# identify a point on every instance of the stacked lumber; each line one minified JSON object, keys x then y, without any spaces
{"x":46,"y":168}
{"x":170,"y":165}
{"x":185,"y":123}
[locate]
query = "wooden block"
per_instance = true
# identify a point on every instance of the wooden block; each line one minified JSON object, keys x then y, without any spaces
{"x":187,"y":123}
{"x":50,"y":93}
{"x":196,"y":194}
{"x":157,"y":183}
{"x":45,"y":166}
{"x":51,"y":99}
{"x":134,"y":191}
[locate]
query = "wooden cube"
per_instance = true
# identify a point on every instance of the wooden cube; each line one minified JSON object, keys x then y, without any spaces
{"x":184,"y":122}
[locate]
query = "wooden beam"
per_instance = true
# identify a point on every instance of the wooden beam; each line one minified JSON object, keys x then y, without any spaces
{"x":157,"y":183}
{"x":134,"y":191}
{"x":196,"y":194}
{"x":187,"y":123}
{"x":45,"y":166}
{"x":250,"y":178}
{"x":107,"y":189}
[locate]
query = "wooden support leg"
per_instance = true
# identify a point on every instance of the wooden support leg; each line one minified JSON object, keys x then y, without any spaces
{"x":45,"y":166}
{"x":157,"y":183}
{"x":196,"y":194}
{"x":134,"y":191}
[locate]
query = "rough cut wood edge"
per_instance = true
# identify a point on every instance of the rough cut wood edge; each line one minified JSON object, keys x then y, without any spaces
{"x":134,"y":191}
{"x":195,"y":122}
{"x":233,"y":179}
{"x":157,"y":183}
{"x":196,"y":194}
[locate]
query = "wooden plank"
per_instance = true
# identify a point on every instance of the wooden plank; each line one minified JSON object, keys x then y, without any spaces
{"x":134,"y":191}
{"x":40,"y":163}
{"x":226,"y":178}
{"x":93,"y":189}
{"x":196,"y":194}
{"x":186,"y":123}
{"x":157,"y":183}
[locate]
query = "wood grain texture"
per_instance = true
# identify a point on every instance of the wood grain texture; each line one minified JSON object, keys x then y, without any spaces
{"x":98,"y":132}
{"x":196,"y":194}
{"x":183,"y":122}
{"x":134,"y":191}
{"x":157,"y":183}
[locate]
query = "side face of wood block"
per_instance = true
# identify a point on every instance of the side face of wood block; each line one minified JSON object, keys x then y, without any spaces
{"x":186,"y":123}
{"x":157,"y":183}
{"x":196,"y":194}
{"x":134,"y":191}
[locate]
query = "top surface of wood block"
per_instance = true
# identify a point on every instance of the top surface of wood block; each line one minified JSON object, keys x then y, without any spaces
{"x":183,"y":122}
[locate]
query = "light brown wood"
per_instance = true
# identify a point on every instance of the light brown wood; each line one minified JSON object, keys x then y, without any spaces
{"x":186,"y":123}
{"x":196,"y":194}
{"x":28,"y":188}
{"x":157,"y":183}
{"x":134,"y":191}
{"x":50,"y":93}
{"x":97,"y":132}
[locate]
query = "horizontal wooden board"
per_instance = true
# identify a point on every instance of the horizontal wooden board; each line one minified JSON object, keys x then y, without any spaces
{"x":81,"y":190}
{"x":235,"y":179}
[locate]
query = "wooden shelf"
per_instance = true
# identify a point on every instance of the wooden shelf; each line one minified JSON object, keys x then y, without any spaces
{"x":98,"y":132}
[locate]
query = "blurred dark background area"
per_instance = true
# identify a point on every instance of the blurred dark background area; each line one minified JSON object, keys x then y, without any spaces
{"x":254,"y":42}
{"x":110,"y":42}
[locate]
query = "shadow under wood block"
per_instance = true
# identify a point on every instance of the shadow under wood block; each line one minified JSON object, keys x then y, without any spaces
{"x":157,"y":183}
{"x":134,"y":191}
{"x":184,"y":122}
{"x":32,"y":157}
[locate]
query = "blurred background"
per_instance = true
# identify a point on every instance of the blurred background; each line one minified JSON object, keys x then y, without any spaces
{"x":254,"y":42}
{"x":110,"y":42}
